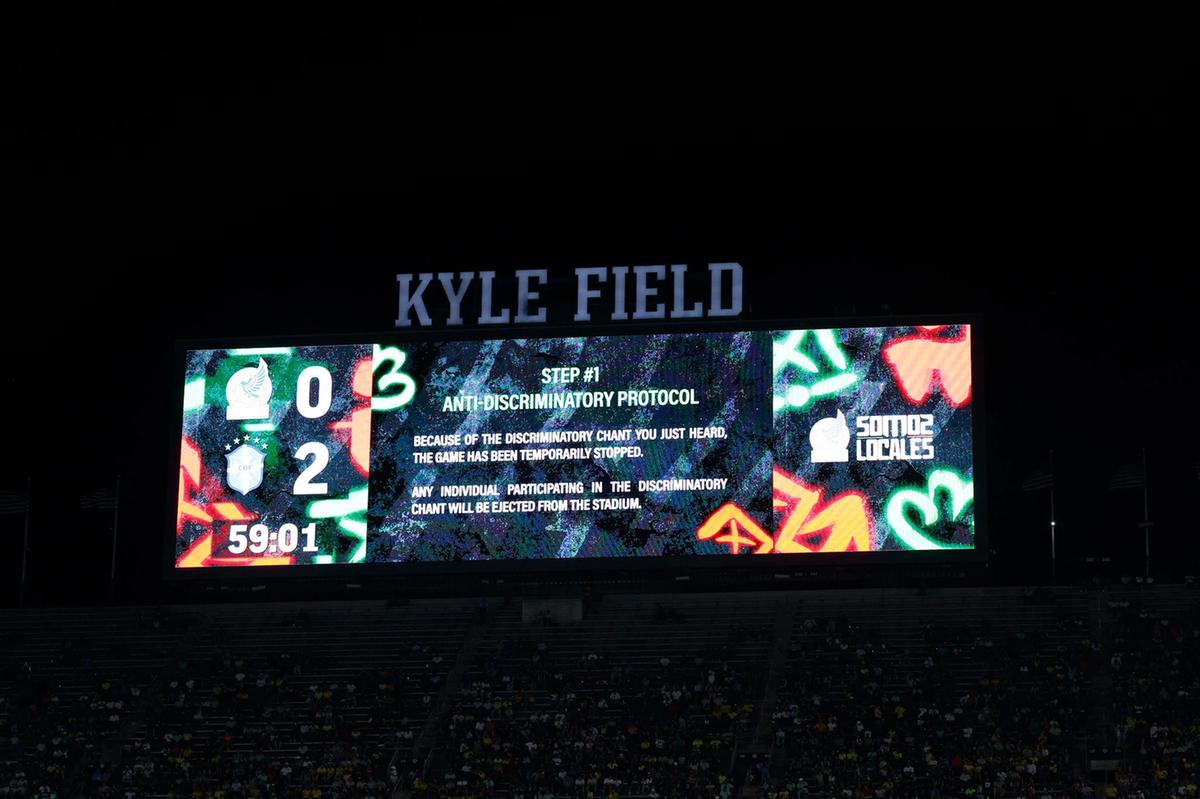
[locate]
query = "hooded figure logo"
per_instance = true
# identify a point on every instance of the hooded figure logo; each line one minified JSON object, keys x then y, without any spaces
{"x":830,"y":440}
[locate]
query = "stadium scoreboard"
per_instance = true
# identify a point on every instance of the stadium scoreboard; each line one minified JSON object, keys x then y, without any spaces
{"x":707,"y":445}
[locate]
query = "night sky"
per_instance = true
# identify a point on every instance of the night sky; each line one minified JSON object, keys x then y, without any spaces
{"x":272,"y":180}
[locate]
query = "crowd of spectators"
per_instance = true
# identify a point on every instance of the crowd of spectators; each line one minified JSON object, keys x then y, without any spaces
{"x":967,"y":713}
{"x":46,"y":731}
{"x":58,"y":715}
{"x":1155,"y":669}
{"x":215,"y":726}
{"x":237,"y":725}
{"x":957,"y":711}
{"x":533,"y":723}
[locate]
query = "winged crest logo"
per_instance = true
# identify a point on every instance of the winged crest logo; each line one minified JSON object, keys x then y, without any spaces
{"x":249,"y":393}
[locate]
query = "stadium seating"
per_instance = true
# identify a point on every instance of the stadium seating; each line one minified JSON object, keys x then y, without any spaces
{"x":874,"y":693}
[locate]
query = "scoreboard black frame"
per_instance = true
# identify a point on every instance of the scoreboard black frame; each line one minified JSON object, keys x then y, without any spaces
{"x":660,"y":564}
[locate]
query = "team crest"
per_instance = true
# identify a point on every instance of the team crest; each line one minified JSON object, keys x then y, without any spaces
{"x":248,"y":393}
{"x":244,"y":469}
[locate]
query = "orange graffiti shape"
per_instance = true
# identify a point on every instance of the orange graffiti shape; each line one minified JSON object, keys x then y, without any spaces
{"x":359,"y":423}
{"x":189,"y":480}
{"x":730,"y":525}
{"x":918,"y":361}
{"x":841,"y":525}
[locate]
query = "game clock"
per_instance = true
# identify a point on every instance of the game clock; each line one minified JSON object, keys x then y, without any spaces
{"x":259,"y":539}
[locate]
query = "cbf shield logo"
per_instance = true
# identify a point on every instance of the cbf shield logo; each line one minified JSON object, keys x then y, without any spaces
{"x":244,"y":469}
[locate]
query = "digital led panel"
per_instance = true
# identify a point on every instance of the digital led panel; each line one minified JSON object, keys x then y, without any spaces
{"x":757,"y":442}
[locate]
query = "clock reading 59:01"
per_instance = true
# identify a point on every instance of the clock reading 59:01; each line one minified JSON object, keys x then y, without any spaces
{"x":259,"y":538}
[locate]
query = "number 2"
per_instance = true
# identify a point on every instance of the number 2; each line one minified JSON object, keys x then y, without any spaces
{"x":320,"y":454}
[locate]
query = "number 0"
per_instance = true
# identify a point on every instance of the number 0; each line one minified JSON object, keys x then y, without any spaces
{"x":304,"y":392}
{"x":288,"y":537}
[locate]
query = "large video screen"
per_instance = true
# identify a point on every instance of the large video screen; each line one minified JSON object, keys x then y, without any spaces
{"x":762,"y":442}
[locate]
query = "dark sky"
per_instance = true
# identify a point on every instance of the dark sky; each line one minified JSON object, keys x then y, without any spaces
{"x":210,"y":177}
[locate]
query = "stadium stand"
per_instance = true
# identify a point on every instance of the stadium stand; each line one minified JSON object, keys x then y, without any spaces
{"x":869,"y":693}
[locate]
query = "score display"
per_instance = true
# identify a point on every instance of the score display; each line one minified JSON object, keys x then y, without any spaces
{"x":763,"y":442}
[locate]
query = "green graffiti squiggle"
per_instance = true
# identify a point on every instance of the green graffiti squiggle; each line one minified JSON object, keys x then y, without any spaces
{"x":962,"y":493}
{"x":393,"y":377}
{"x":348,"y":511}
{"x":787,"y":353}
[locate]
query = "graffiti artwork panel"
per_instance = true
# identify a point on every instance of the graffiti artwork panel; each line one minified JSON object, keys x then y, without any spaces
{"x":882,"y":414}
